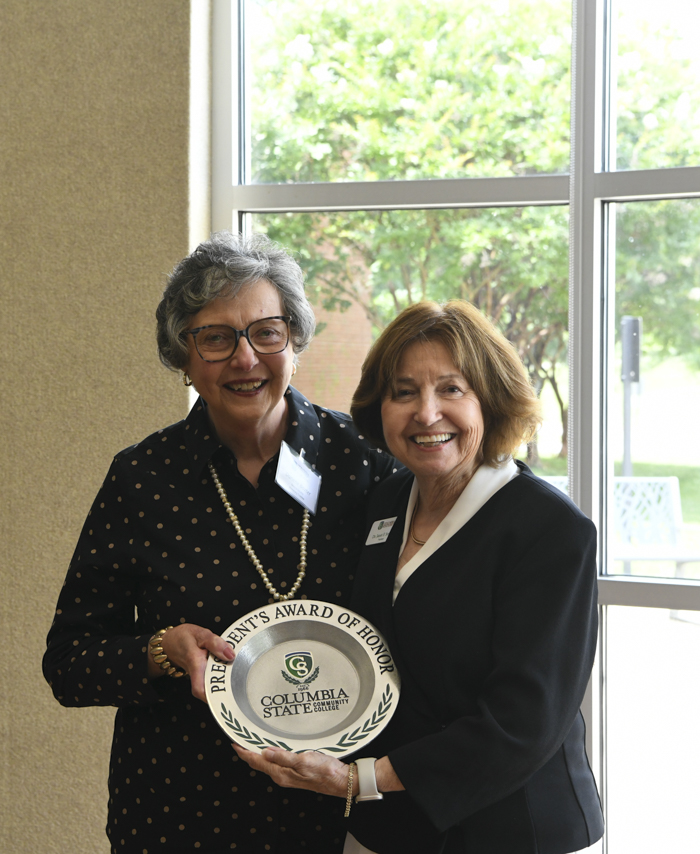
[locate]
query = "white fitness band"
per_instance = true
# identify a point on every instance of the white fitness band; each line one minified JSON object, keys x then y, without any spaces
{"x":367,"y":780}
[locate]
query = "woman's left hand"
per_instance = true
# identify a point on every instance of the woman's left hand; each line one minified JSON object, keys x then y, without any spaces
{"x":309,"y":770}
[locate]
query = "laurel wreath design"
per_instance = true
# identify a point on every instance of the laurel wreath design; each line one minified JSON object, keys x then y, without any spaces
{"x":244,"y":734}
{"x":346,"y":742}
{"x":299,"y":683}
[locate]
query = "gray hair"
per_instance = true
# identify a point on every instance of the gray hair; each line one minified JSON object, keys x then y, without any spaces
{"x":221,"y":266}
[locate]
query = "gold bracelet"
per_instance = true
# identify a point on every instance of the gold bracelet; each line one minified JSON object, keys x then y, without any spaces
{"x":348,"y":799}
{"x":160,"y":658}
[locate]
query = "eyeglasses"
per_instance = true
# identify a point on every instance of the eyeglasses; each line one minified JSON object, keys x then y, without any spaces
{"x":218,"y":343}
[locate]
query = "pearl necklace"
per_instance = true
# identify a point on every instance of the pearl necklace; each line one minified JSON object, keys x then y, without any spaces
{"x":251,"y":553}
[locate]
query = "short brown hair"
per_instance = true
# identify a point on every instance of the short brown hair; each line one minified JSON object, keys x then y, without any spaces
{"x":484,"y":357}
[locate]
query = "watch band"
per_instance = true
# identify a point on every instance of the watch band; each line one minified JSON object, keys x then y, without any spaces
{"x":367,"y":780}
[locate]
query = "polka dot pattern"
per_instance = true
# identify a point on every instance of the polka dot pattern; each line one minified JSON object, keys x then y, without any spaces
{"x":157,"y":549}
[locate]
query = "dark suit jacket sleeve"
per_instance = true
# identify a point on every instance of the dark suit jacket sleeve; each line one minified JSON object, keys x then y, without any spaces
{"x":543,"y":643}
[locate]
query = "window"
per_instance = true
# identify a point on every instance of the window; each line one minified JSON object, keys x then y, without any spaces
{"x":542,"y":161}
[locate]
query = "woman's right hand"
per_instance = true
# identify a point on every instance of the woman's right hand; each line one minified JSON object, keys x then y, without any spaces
{"x":188,"y":646}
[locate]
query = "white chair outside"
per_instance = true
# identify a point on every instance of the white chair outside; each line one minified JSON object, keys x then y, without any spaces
{"x":647,"y":520}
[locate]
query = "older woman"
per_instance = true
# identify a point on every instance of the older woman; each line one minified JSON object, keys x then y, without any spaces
{"x":486,"y":592}
{"x":191,"y":529}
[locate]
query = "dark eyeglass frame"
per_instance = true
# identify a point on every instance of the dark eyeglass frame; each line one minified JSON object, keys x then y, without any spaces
{"x":241,"y":333}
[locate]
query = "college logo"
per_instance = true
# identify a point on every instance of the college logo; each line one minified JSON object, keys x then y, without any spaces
{"x":299,"y":666}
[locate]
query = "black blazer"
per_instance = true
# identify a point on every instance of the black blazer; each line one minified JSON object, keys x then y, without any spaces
{"x":494,"y":637}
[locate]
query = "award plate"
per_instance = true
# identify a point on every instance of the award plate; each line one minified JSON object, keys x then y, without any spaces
{"x":307,"y":675}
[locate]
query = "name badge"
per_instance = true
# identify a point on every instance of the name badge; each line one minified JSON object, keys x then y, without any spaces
{"x":379,"y":532}
{"x":297,"y":478}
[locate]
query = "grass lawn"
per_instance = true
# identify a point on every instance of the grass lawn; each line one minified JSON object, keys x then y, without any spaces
{"x":550,"y":466}
{"x":688,"y":478}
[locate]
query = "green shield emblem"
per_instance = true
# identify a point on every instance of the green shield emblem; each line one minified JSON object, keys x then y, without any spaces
{"x":299,"y":664}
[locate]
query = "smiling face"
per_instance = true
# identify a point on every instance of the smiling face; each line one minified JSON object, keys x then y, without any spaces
{"x":433,"y":422}
{"x":246,"y":392}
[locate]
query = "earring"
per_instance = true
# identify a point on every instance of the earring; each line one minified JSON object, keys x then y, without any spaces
{"x":294,"y":370}
{"x":186,"y":380}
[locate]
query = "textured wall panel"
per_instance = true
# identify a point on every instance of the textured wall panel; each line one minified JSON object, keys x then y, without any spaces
{"x":94,"y":207}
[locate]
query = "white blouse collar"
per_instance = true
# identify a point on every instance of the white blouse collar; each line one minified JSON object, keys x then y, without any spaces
{"x":485,"y":483}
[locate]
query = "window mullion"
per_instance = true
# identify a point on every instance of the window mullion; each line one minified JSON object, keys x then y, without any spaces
{"x":585,"y":268}
{"x":225,"y":118}
{"x":396,"y":195}
{"x":585,"y":442}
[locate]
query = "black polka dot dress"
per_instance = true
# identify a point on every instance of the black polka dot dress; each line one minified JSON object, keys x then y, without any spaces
{"x":157,"y":549}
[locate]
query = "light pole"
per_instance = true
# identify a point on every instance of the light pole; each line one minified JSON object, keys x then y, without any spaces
{"x":631,"y":335}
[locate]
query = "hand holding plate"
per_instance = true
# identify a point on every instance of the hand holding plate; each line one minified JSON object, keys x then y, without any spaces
{"x":309,"y":770}
{"x":188,"y":646}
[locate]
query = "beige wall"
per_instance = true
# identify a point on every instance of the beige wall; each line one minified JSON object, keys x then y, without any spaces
{"x":93,"y":209}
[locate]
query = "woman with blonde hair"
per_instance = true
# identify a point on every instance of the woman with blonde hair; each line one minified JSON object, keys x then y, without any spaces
{"x":485,"y":589}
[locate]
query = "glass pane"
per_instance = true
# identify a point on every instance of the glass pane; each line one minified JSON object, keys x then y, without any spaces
{"x":364,"y":267}
{"x":653,"y":749}
{"x":359,"y":90}
{"x":656,"y":94}
{"x":654,"y":406}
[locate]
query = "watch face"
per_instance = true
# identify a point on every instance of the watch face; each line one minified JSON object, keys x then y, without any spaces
{"x":307,"y":675}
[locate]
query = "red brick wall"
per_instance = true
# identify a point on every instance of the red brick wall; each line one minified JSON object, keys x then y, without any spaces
{"x":330,"y":369}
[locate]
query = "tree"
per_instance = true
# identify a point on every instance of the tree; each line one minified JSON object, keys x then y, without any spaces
{"x":657,"y":100}
{"x":658,"y":274}
{"x":346,"y":92}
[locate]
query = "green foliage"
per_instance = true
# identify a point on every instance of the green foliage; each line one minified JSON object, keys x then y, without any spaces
{"x":423,"y":89}
{"x":658,"y":274}
{"x":658,"y":101}
{"x":511,"y":263}
{"x":346,"y":91}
